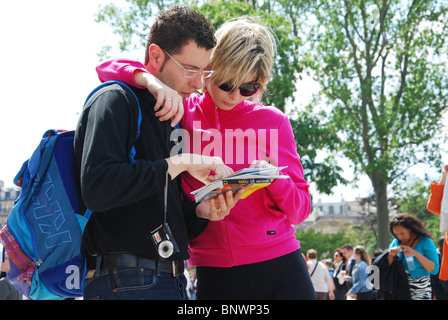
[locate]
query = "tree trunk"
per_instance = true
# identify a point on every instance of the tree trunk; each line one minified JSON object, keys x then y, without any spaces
{"x":382,"y":208}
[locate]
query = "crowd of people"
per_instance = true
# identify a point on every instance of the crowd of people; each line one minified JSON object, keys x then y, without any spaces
{"x":349,"y":275}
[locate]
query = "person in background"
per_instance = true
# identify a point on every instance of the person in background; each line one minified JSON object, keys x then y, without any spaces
{"x":347,"y":251}
{"x":233,"y":256}
{"x":361,"y":289}
{"x":329,"y":264}
{"x":322,"y":282}
{"x":7,"y":290}
{"x":339,"y":283}
{"x":434,"y":205}
{"x":414,"y":246}
{"x":439,"y":286}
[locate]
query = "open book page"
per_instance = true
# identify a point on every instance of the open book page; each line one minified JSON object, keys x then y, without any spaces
{"x":250,"y":179}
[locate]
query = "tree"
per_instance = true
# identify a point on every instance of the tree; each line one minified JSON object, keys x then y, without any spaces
{"x":381,"y":68}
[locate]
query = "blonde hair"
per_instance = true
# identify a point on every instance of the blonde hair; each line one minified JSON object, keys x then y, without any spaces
{"x":243,"y":47}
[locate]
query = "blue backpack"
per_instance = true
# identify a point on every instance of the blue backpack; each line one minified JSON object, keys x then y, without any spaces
{"x":42,"y":236}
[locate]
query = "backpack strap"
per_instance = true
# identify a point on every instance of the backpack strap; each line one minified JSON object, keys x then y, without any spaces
{"x":317,"y":262}
{"x":139,"y":121}
{"x":88,"y":212}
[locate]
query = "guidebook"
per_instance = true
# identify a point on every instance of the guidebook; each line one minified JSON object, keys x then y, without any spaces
{"x":249,"y":179}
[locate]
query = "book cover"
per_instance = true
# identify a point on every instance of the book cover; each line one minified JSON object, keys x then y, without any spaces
{"x":249,"y":179}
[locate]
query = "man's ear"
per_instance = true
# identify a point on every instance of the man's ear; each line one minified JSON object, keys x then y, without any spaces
{"x":156,"y":58}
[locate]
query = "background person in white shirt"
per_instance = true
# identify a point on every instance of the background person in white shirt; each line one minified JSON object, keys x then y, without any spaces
{"x":322,"y":282}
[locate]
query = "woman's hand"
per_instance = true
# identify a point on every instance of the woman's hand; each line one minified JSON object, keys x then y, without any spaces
{"x":444,"y":174}
{"x":262,"y":164}
{"x":218,"y":208}
{"x":395,"y":250}
{"x":351,"y":295}
{"x":408,"y":251}
{"x":427,"y":264}
{"x":169,"y":105}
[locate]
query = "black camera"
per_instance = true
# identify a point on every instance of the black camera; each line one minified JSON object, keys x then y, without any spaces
{"x":164,"y":241}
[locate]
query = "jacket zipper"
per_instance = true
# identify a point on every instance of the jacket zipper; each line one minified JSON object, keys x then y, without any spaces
{"x":232,"y":260}
{"x":217,"y":121}
{"x":226,"y":223}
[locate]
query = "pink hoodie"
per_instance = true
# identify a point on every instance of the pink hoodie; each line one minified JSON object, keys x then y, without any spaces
{"x":258,"y":227}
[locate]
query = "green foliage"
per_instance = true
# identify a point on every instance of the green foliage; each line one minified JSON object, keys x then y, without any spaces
{"x":324,"y":244}
{"x":312,"y":136}
{"x":379,"y":64}
{"x":362,"y":235}
{"x":414,"y":200}
{"x":387,"y":90}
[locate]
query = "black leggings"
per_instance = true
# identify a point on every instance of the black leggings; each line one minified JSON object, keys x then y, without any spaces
{"x":283,"y":278}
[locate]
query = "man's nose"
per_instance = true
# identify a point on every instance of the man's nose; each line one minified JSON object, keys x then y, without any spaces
{"x":196,"y":82}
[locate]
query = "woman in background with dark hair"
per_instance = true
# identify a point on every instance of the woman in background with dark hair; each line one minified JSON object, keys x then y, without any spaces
{"x":414,"y":246}
{"x":338,"y":277}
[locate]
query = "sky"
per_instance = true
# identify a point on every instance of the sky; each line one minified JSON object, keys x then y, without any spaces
{"x":49,"y":53}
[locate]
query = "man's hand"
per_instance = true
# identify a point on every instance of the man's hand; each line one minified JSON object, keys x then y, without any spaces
{"x":200,"y":167}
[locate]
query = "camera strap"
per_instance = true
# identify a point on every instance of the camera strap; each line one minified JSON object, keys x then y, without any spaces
{"x":167,"y":138}
{"x":165,"y":209}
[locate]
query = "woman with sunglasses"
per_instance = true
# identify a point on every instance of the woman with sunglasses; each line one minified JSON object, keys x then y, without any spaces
{"x":253,"y":253}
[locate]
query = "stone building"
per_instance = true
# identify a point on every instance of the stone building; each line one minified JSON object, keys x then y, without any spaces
{"x":332,"y":217}
{"x":7,"y":198}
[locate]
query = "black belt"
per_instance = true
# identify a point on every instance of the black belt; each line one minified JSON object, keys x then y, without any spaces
{"x":129,"y":260}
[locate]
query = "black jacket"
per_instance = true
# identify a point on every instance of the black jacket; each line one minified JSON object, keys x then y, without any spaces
{"x":394,"y":283}
{"x":128,"y":201}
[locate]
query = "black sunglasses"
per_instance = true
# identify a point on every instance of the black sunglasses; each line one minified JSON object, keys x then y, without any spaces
{"x":246,"y":90}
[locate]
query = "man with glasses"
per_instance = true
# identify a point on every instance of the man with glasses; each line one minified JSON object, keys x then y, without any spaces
{"x":136,"y":239}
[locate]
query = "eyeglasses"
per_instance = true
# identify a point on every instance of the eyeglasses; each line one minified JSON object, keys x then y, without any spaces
{"x":246,"y":90}
{"x":190,"y":73}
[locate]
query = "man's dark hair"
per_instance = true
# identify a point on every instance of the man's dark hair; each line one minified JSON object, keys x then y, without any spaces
{"x":175,"y":27}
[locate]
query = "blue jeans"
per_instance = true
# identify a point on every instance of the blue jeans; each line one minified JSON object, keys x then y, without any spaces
{"x":134,"y":284}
